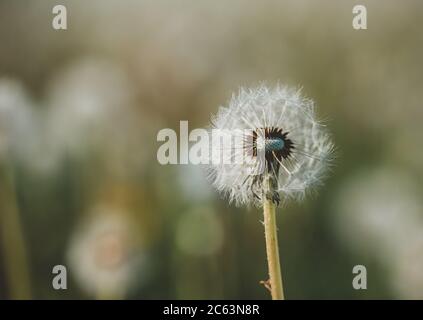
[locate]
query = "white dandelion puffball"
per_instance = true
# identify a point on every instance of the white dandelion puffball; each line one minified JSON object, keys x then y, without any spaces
{"x":280,"y":125}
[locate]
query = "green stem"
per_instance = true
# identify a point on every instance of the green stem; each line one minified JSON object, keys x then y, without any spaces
{"x":272,"y":248}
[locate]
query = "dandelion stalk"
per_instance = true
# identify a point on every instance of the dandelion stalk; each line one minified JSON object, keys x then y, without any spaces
{"x":272,"y":249}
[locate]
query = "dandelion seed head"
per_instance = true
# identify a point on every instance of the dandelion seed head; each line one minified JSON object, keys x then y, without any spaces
{"x":283,"y":126}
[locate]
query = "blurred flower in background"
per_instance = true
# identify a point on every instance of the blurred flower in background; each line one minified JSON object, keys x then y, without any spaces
{"x":92,"y":112}
{"x":407,"y":266}
{"x":88,"y":104}
{"x":104,"y":255}
{"x":18,"y":120}
{"x":379,"y":212}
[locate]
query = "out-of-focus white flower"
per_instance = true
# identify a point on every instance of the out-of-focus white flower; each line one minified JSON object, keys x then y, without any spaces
{"x":378,"y":210}
{"x":91,"y":108}
{"x":88,"y":103}
{"x":380,"y":214}
{"x":17,"y":118}
{"x":407,"y":268}
{"x":282,"y":125}
{"x":103,"y":254}
{"x":22,"y":133}
{"x":199,"y":232}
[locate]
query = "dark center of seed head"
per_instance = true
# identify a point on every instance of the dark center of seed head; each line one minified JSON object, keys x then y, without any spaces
{"x":274,"y":144}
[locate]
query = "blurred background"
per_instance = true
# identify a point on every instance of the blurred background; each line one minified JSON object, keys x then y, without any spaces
{"x":80,"y":184}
